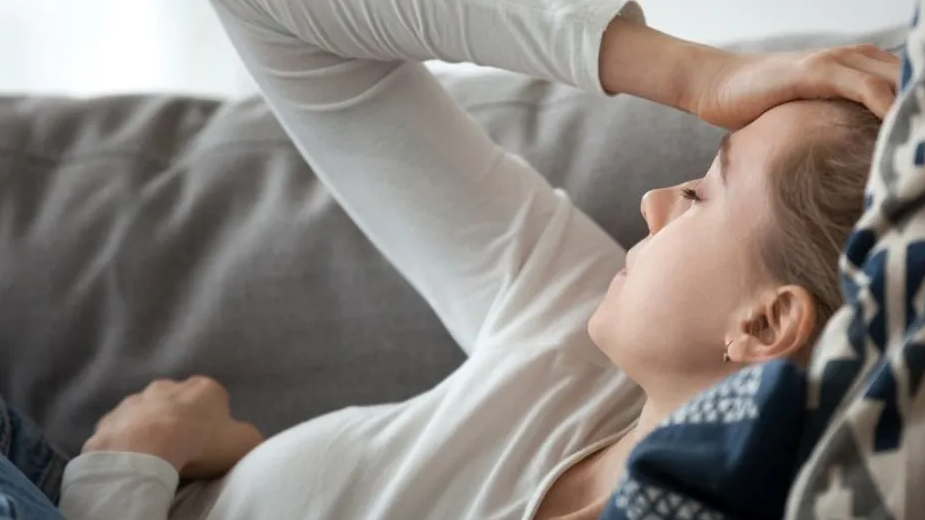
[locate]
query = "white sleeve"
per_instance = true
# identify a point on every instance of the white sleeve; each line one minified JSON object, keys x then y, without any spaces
{"x":117,"y":486}
{"x":475,"y":229}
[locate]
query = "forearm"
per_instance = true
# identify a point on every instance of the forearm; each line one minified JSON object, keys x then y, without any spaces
{"x":557,"y":40}
{"x":641,"y":61}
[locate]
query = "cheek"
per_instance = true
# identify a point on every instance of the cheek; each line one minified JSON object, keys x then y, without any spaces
{"x":655,"y":293}
{"x":635,"y":304}
{"x":642,"y":325}
{"x":674,"y":302}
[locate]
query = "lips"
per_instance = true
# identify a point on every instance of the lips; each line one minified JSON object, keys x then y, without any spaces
{"x":628,"y":263}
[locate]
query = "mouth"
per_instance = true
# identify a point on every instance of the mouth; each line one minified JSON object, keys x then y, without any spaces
{"x":627,"y":262}
{"x":630,"y":258}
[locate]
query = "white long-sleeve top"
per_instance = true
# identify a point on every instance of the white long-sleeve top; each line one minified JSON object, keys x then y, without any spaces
{"x":512,"y":268}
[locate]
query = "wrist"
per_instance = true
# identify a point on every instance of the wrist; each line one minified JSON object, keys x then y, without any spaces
{"x":643,"y":62}
{"x":700,"y":71}
{"x":157,"y":440}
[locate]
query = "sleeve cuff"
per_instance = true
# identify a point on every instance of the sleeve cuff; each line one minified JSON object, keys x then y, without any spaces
{"x":111,"y":463}
{"x":588,"y":51}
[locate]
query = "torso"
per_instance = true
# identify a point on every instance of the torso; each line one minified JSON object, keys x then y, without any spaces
{"x":506,"y":437}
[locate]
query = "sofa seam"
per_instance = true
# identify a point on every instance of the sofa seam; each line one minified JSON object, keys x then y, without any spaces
{"x":159,"y":161}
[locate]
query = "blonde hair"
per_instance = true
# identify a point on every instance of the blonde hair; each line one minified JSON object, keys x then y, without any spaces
{"x":816,"y":196}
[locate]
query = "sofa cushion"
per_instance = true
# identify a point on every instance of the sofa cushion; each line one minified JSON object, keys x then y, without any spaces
{"x":145,"y":237}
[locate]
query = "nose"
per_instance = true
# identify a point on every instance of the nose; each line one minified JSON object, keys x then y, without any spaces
{"x":656,"y":207}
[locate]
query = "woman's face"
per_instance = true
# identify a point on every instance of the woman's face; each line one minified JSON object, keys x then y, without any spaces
{"x":691,"y":284}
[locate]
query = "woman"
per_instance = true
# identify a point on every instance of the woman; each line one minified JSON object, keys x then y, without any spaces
{"x":538,"y":423}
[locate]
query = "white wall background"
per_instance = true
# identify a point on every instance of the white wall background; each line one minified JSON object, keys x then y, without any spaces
{"x":87,"y":47}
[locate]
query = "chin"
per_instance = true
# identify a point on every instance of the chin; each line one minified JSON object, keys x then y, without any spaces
{"x":601,"y":329}
{"x":597,"y":328}
{"x":593,"y":324}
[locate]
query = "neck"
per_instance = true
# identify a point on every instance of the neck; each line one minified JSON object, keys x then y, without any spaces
{"x":653,"y":413}
{"x":662,"y":401}
{"x":612,"y":460}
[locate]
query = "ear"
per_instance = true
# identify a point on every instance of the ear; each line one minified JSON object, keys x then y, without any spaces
{"x":778,"y":327}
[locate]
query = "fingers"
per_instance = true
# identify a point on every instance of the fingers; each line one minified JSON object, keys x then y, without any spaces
{"x":861,"y":73}
{"x":198,"y":393}
{"x":193,"y":388}
{"x":161,"y":387}
{"x":862,"y":87}
{"x":227,"y":446}
{"x":872,"y":85}
{"x":127,"y":402}
{"x":874,"y":52}
{"x":872,"y":91}
{"x":879,"y":96}
{"x":887,"y":72}
{"x":207,"y":389}
{"x":204,"y":384}
{"x":236,"y":439}
{"x":883,"y":67}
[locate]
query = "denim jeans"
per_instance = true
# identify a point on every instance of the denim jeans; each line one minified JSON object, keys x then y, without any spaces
{"x":30,"y":470}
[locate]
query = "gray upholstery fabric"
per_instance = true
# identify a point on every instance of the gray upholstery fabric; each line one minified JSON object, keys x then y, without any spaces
{"x":145,"y":237}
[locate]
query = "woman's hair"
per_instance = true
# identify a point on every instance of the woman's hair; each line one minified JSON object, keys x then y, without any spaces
{"x":817,"y":196}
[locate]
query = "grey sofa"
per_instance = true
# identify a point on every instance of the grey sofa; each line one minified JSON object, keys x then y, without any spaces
{"x":145,"y":237}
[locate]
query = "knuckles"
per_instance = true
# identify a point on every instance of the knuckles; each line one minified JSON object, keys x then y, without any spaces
{"x":195,"y":385}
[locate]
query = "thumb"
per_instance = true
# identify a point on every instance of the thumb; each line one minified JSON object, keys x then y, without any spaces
{"x":234,"y":440}
{"x":245,"y":438}
{"x":227,"y":444}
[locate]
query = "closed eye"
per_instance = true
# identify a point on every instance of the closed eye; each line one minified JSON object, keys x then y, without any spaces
{"x":691,"y":195}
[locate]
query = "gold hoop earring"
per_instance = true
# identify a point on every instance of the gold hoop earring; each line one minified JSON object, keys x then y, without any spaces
{"x":726,"y":358}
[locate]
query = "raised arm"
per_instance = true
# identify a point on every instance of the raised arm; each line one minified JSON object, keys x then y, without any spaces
{"x":463,"y":220}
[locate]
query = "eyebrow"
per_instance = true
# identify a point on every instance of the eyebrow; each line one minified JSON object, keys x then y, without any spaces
{"x":724,"y":146}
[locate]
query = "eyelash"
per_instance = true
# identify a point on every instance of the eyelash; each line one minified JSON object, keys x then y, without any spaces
{"x":691,"y":195}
